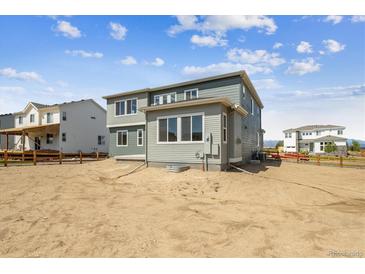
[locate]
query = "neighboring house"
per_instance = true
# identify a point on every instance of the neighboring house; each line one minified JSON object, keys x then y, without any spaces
{"x":212,"y":121}
{"x":314,"y":138}
{"x":6,"y":121}
{"x":70,"y":127}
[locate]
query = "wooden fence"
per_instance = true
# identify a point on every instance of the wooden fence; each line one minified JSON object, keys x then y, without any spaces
{"x":19,"y":157}
{"x":328,"y":160}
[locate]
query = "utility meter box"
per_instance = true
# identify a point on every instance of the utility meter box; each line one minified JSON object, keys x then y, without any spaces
{"x":215,"y":149}
{"x":208,"y":144}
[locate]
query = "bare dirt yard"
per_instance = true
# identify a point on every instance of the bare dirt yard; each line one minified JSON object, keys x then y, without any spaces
{"x":284,"y":210}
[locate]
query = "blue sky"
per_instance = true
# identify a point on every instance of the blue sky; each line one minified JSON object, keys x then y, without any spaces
{"x":307,"y":69}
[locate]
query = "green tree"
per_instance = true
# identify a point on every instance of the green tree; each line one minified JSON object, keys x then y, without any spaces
{"x":330,"y":147}
{"x":279,"y":144}
{"x":355,"y":146}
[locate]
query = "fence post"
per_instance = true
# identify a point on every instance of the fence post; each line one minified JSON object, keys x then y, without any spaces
{"x":318,"y":160}
{"x":297,"y":157}
{"x":34,"y":157}
{"x":97,"y":155}
{"x":6,"y":158}
{"x":60,"y":156}
{"x":80,"y":157}
{"x":341,"y":161}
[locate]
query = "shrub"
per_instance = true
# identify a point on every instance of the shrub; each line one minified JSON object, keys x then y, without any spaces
{"x":330,"y":147}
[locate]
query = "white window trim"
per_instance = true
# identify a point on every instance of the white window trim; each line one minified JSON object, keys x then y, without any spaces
{"x":258,"y":139}
{"x":124,"y":130}
{"x":226,"y":128}
{"x":160,"y":98}
{"x":190,"y":90}
{"x":138,"y":145}
{"x":30,"y":118}
{"x":179,"y":128}
{"x":125,"y":107}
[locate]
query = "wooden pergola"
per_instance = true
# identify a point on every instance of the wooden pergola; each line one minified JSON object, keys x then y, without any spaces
{"x":24,"y":131}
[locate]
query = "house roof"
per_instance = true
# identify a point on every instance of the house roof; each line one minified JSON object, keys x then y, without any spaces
{"x":327,"y":138}
{"x":19,"y":130}
{"x":240,"y":73}
{"x":38,"y":105}
{"x":330,"y":138}
{"x":196,"y":102}
{"x":313,"y":127}
{"x":43,"y":106}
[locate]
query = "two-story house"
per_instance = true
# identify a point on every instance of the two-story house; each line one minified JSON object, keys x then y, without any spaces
{"x":314,"y":138}
{"x":70,"y":127}
{"x":6,"y":121}
{"x":207,"y":122}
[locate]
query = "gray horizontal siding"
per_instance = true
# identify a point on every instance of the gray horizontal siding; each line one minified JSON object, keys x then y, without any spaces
{"x":127,"y":119}
{"x":251,"y":124}
{"x":184,"y":153}
{"x":132,"y":147}
{"x":229,"y":88}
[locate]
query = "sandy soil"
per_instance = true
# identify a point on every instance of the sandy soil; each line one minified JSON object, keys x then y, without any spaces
{"x":84,"y":210}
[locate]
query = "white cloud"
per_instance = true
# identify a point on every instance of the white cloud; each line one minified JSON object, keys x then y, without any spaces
{"x":62,"y":84}
{"x":223,"y":67}
{"x":358,"y":18}
{"x":158,"y":62}
{"x":261,"y":57}
{"x":67,"y":30}
{"x":277,"y":45}
{"x":118,"y":31}
{"x":334,"y":19}
{"x":25,"y":75}
{"x":129,"y":60}
{"x":266,"y":84}
{"x":222,"y":23}
{"x":14,"y":89}
{"x":321,"y":52}
{"x":304,"y":47}
{"x":333,"y":46}
{"x":304,"y":66}
{"x":84,"y":54}
{"x":208,"y":41}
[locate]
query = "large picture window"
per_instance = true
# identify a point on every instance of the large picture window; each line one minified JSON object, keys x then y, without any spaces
{"x":122,"y":138}
{"x":180,"y":129}
{"x":126,"y":107}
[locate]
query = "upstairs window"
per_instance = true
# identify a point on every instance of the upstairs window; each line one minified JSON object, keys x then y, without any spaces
{"x":288,"y":135}
{"x":31,"y":118}
{"x":63,"y":136}
{"x":126,"y":107}
{"x":164,"y":99}
{"x":64,"y":117}
{"x":318,"y":133}
{"x":119,"y":108}
{"x":191,"y":94}
{"x":49,"y":118}
{"x":20,"y":120}
{"x":339,"y":132}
